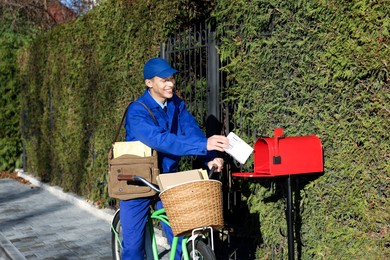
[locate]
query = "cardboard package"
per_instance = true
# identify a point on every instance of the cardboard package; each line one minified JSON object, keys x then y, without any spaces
{"x":167,"y":180}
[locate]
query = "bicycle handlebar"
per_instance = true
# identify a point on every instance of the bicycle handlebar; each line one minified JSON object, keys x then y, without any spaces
{"x":122,"y":177}
{"x":212,"y":170}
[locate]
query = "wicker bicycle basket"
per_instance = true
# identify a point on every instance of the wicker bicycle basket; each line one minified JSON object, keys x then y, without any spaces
{"x":192,"y":205}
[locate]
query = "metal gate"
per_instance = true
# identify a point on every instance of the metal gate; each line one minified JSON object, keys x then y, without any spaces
{"x":193,"y":52}
{"x":200,"y":83}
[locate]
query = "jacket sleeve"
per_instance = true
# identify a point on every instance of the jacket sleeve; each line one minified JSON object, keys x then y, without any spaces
{"x":190,"y":127}
{"x":142,"y":127}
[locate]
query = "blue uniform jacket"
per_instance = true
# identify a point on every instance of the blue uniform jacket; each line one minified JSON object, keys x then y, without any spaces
{"x":175,"y":134}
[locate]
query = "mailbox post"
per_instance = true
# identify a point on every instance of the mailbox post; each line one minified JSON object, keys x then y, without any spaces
{"x":282,"y":156}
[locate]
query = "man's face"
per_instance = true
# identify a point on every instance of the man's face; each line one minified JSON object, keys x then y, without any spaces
{"x":161,"y":88}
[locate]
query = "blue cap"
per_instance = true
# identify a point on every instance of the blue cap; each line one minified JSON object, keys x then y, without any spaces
{"x":158,"y":67}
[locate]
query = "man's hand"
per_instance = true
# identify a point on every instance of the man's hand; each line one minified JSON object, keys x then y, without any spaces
{"x":218,"y":163}
{"x":218,"y":143}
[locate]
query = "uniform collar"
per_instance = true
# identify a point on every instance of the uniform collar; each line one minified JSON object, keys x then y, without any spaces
{"x":149,"y":100}
{"x":162,"y":105}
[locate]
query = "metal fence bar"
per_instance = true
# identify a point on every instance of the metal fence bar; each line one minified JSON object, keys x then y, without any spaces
{"x":201,"y":63}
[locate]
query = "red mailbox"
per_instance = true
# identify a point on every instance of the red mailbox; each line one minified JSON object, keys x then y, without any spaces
{"x":286,"y":156}
{"x":280,"y":155}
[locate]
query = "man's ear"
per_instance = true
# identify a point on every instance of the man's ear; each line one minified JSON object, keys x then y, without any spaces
{"x":148,"y":83}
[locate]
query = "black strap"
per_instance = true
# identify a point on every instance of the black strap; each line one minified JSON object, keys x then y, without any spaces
{"x":124,"y":115}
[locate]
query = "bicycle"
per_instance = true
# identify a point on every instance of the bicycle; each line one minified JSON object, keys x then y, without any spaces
{"x":193,"y":247}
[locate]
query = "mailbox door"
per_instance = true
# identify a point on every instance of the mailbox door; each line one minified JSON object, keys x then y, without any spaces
{"x":261,"y":157}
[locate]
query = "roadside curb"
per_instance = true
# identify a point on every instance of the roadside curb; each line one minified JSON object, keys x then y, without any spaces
{"x":8,"y":251}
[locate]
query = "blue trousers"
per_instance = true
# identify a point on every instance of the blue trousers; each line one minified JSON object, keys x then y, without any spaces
{"x":133,"y":216}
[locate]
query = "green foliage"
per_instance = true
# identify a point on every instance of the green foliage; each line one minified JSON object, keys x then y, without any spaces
{"x":317,"y":68}
{"x":79,"y":79}
{"x":12,"y":41}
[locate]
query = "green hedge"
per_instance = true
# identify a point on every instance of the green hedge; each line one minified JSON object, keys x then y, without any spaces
{"x":79,"y":78}
{"x":317,"y":67}
{"x":310,"y":67}
{"x":15,"y":33}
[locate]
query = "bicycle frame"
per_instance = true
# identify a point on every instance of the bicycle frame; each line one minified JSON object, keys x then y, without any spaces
{"x":160,"y":215}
